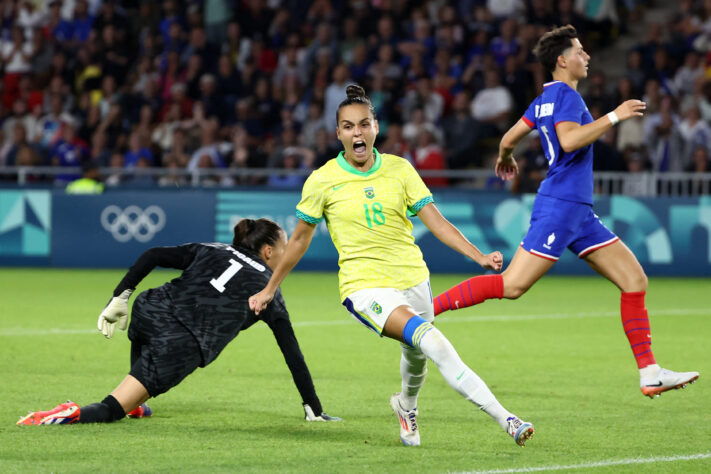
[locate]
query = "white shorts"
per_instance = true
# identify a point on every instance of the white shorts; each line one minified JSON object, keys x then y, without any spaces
{"x":372,"y":306}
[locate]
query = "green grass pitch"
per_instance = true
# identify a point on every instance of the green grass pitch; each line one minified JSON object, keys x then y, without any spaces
{"x":557,"y":357}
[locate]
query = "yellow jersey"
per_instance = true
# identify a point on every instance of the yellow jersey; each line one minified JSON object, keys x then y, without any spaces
{"x":366,"y":215}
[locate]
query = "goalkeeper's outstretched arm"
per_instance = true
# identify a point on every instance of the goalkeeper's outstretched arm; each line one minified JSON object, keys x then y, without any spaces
{"x":286,"y":339}
{"x":116,"y":311}
{"x":169,"y":257}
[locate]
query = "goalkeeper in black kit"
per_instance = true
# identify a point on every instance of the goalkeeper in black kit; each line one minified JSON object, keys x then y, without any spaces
{"x":185,"y":323}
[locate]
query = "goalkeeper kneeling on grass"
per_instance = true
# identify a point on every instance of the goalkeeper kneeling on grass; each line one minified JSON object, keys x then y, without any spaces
{"x":185,"y":323}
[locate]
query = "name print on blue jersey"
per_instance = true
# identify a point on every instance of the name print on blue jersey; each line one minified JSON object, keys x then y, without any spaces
{"x":569,"y":174}
{"x":544,"y":110}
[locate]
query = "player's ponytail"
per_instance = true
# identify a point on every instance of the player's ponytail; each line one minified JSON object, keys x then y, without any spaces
{"x":355,"y":94}
{"x":254,"y":234}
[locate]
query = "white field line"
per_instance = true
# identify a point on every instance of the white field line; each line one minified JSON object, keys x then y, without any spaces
{"x":470,"y":318}
{"x":599,"y":464}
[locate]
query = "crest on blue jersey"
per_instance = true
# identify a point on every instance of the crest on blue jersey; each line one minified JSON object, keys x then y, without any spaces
{"x":369,"y":192}
{"x":377,"y":309}
{"x":551,"y":239}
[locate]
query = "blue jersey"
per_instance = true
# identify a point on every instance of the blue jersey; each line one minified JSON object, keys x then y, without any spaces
{"x":570,"y":174}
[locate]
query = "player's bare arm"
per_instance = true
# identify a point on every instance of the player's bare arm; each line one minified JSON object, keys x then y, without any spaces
{"x":448,"y":234}
{"x":506,"y":167}
{"x":295,"y":249}
{"x":573,"y":136}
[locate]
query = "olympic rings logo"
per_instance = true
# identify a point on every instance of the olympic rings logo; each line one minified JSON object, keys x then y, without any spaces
{"x":133,"y":222}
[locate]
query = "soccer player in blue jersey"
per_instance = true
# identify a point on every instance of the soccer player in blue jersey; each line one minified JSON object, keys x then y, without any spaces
{"x":562,"y":215}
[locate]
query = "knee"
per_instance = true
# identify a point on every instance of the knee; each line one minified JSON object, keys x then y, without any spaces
{"x":514,"y":286}
{"x":643,"y":281}
{"x":635,"y":281}
{"x":638,"y":282}
{"x":513,"y":292}
{"x":436,"y":347}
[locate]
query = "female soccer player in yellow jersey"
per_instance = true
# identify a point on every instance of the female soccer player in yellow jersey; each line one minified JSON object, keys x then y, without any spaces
{"x":384,"y":282}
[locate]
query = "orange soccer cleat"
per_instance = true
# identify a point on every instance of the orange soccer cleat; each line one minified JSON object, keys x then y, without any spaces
{"x":141,"y":411}
{"x":63,"y":414}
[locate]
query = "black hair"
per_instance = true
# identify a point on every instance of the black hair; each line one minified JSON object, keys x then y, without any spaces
{"x":254,"y":234}
{"x":355,"y":94}
{"x":552,"y":44}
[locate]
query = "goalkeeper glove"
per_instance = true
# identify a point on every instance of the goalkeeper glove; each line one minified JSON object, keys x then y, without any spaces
{"x":115,"y":311}
{"x":311,"y":416}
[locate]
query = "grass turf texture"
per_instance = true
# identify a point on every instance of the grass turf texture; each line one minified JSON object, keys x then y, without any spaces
{"x":556,"y":357}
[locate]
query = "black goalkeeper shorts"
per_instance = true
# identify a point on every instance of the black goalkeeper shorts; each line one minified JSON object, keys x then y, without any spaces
{"x":163,"y":351}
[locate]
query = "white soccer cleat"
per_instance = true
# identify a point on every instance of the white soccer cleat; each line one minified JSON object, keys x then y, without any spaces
{"x":309,"y":415}
{"x":666,"y":380}
{"x":521,"y":431}
{"x":409,"y":433}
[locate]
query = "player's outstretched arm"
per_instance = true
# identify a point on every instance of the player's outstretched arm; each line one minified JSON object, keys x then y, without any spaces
{"x":117,"y":309}
{"x":573,"y":136}
{"x":446,"y":232}
{"x":296,"y":247}
{"x":285,"y":337}
{"x":506,"y":167}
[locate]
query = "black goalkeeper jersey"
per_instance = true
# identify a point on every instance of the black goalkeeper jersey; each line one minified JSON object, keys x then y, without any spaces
{"x":211,"y":299}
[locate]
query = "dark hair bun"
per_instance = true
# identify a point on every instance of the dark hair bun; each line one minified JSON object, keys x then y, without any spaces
{"x":253,"y":234}
{"x":243,"y":228}
{"x":355,"y":92}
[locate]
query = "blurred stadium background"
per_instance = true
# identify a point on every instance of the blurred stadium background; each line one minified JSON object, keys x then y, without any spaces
{"x":184,"y":116}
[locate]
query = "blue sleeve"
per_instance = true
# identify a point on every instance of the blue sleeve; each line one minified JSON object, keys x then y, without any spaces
{"x":530,"y":115}
{"x":570,"y":107}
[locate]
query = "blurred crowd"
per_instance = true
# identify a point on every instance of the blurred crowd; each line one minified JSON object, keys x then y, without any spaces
{"x":227,"y":84}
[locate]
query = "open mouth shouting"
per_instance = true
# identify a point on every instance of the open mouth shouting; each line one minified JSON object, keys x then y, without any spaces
{"x":359,"y":148}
